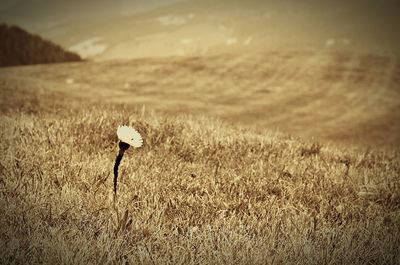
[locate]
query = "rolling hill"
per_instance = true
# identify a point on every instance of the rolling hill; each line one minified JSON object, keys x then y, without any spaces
{"x":18,"y":47}
{"x":201,"y":191}
{"x":338,"y":97}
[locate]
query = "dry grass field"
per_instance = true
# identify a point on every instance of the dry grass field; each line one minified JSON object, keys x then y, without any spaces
{"x":228,"y":173}
{"x":344,"y":98}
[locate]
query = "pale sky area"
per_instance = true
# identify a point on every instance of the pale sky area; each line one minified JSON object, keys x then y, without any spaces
{"x":105,"y":29}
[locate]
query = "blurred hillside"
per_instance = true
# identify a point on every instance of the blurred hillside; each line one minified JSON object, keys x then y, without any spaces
{"x":18,"y":47}
{"x":136,"y":29}
{"x":344,"y":98}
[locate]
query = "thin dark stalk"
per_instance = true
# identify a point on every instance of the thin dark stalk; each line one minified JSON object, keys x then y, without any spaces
{"x":122,"y":148}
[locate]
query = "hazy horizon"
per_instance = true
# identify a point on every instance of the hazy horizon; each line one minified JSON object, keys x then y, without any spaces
{"x":124,"y":29}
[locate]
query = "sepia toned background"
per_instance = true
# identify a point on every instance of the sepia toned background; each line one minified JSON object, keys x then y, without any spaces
{"x":271,"y":132}
{"x":129,"y":29}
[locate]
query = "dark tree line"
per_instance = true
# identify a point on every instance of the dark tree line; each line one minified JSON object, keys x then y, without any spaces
{"x":18,"y":47}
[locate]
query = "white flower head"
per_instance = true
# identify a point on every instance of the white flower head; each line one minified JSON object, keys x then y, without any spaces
{"x":130,"y":136}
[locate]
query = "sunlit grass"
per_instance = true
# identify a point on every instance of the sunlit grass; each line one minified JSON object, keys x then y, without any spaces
{"x":197,"y":192}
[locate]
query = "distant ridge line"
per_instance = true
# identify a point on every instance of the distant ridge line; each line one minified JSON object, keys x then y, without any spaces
{"x":19,"y":47}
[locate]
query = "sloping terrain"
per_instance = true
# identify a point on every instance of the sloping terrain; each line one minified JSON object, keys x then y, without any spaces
{"x":339,"y":97}
{"x":198,"y":191}
{"x":18,"y":47}
{"x":272,"y":138}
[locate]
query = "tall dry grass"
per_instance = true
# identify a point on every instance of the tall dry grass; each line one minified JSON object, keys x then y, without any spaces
{"x":198,"y":192}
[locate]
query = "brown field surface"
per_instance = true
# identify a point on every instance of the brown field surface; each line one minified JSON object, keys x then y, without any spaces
{"x":340,"y":97}
{"x":247,"y":159}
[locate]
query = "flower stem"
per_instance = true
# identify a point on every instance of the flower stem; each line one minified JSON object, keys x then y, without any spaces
{"x":122,"y":148}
